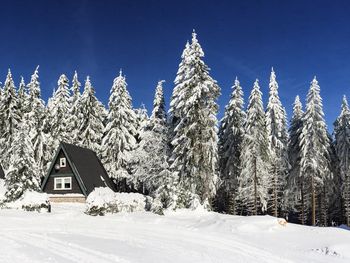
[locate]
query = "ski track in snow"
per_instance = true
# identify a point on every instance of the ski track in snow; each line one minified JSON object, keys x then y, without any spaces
{"x":68,"y":235}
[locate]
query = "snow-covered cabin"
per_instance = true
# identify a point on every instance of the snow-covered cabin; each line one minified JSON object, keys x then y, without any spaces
{"x":2,"y":174}
{"x":74,"y":173}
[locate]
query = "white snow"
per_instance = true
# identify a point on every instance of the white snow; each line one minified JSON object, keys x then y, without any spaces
{"x":30,"y":199}
{"x":69,"y":235}
{"x":104,"y":197}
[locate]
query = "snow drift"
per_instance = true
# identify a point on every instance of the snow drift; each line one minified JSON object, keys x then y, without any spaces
{"x":31,"y":201}
{"x":103,"y":200}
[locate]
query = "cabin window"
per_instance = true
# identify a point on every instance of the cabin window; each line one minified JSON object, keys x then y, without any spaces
{"x":62,"y":162}
{"x":63,"y":183}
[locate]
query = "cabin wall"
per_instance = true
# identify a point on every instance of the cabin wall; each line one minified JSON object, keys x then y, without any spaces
{"x":62,"y":172}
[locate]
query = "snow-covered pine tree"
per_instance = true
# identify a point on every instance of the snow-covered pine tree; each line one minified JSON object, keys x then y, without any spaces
{"x":119,"y":134}
{"x":92,"y":116}
{"x":332,"y":212}
{"x":10,"y":118}
{"x":151,"y":171}
{"x":178,"y":96}
{"x":75,"y":118}
{"x":159,"y":115}
{"x":194,"y":139}
{"x":253,"y":180}
{"x":151,"y":167}
{"x":278,"y":137}
{"x":22,"y":172}
{"x":60,"y":113}
{"x":75,"y":88}
{"x":50,"y":101}
{"x":51,"y":142}
{"x":22,"y":98}
{"x":158,"y":125}
{"x":342,"y":146}
{"x":142,"y":121}
{"x":295,"y":192}
{"x":231,"y":134}
{"x":176,"y":113}
{"x":314,"y":151}
{"x":34,"y":91}
{"x":35,"y":119}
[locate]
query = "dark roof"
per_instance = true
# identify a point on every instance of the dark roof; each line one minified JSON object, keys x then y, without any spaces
{"x":86,"y":166}
{"x":2,"y":174}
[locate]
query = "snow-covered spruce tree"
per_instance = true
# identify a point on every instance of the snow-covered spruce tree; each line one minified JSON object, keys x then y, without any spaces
{"x":22,"y":97}
{"x":332,"y":212}
{"x":253,"y":180}
{"x":158,"y":125}
{"x":142,"y":120}
{"x":75,"y":117}
{"x":152,"y":171}
{"x":176,"y":111}
{"x":295,"y":191}
{"x":10,"y":118}
{"x":119,"y":135}
{"x":35,"y":119}
{"x":342,"y":146}
{"x":90,"y":131}
{"x":60,"y":113}
{"x":50,"y":101}
{"x":22,"y":172}
{"x":194,"y":137}
{"x":75,"y":89}
{"x":276,"y":127}
{"x":179,"y":92}
{"x":159,"y":115}
{"x":314,"y":152}
{"x":50,"y":142}
{"x":231,"y":134}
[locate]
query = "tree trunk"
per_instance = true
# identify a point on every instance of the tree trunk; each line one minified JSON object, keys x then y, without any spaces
{"x":324,"y":206}
{"x":255,"y":189}
{"x":313,"y":219}
{"x":302,"y":204}
{"x":232,"y":204}
{"x":346,"y":195}
{"x":347,"y":199}
{"x":275,"y":196}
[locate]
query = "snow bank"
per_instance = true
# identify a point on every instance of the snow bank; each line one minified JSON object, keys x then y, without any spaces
{"x":103,"y":200}
{"x":31,"y":201}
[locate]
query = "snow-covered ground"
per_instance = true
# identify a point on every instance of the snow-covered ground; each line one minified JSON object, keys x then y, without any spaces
{"x":68,"y":235}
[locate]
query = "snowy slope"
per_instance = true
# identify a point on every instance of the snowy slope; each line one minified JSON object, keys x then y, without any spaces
{"x":68,"y":235}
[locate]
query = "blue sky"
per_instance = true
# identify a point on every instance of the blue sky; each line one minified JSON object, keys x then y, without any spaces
{"x":299,"y":39}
